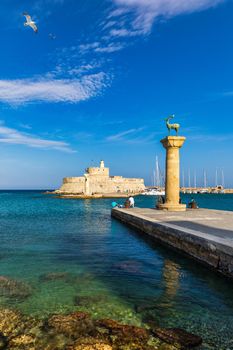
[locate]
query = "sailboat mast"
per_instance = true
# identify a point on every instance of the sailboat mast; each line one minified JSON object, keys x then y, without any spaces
{"x":183,"y":183}
{"x":223,"y":184}
{"x":189,"y":179}
{"x":205,"y":180}
{"x":157,"y":172}
{"x":216,"y":177}
{"x":154,"y":180}
{"x":195,"y":180}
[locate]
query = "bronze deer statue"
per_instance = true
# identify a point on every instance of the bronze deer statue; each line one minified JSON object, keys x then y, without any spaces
{"x":172,"y":126}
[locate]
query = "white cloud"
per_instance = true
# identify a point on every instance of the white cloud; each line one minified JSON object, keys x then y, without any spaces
{"x":211,"y":137}
{"x":147,"y":11}
{"x":90,"y":46}
{"x":83,"y":69}
{"x":25,"y":126}
{"x":15,"y":137}
{"x":22,"y":91}
{"x":120,"y":136}
{"x":226,"y":94}
{"x":109,"y":48}
{"x":100,"y":47}
{"x":141,"y":135}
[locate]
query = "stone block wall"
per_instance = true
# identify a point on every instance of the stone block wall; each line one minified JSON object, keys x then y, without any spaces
{"x":73,"y":185}
{"x":96,"y":180}
{"x":217,"y":256}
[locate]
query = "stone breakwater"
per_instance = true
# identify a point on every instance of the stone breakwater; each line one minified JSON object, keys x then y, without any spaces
{"x":93,"y":196}
{"x":78,"y":331}
{"x":205,"y":235}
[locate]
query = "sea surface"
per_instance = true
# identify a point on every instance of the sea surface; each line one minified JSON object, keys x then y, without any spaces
{"x":72,"y":255}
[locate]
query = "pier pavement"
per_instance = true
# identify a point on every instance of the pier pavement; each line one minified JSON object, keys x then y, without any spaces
{"x":203,"y":234}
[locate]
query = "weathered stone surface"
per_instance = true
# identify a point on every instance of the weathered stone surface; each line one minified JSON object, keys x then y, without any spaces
{"x":72,"y":325}
{"x":96,"y":180}
{"x":22,"y":341}
{"x":10,"y":322}
{"x":77,"y":331}
{"x":49,"y":341}
{"x":19,"y":331}
{"x":178,"y":337}
{"x":90,"y":344}
{"x":125,"y":333}
{"x":172,"y":144}
{"x":11,"y":288}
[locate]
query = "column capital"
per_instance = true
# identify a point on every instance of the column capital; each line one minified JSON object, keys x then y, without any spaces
{"x":173,"y":141}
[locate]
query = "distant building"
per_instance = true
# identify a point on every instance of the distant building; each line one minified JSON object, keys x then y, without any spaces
{"x":96,"y":180}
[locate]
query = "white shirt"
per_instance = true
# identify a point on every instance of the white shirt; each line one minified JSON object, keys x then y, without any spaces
{"x":131,"y":201}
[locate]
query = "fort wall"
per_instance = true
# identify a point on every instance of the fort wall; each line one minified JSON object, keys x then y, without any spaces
{"x":97,"y":181}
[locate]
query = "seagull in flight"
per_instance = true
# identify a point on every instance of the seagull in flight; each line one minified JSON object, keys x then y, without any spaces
{"x":30,"y":22}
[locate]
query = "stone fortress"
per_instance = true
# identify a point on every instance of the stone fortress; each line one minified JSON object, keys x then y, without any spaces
{"x":97,"y":181}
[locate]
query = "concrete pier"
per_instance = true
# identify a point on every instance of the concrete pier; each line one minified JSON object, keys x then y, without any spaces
{"x":203,"y":234}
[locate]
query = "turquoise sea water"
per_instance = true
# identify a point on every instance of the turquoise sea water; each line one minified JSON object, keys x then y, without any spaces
{"x":107,"y":269}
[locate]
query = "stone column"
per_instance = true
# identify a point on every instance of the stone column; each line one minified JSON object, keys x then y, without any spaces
{"x":172,"y":144}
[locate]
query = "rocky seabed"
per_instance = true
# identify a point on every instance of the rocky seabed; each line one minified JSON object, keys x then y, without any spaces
{"x":78,"y":331}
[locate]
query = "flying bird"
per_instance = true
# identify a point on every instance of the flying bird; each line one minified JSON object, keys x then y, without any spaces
{"x":30,"y":22}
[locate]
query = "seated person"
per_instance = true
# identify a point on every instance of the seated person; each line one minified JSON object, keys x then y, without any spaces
{"x":161,"y":200}
{"x":192,"y":204}
{"x":131,"y":200}
{"x":114,"y":205}
{"x":127,"y":203}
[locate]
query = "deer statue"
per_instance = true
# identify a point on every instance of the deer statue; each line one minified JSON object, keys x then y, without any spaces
{"x":172,"y":126}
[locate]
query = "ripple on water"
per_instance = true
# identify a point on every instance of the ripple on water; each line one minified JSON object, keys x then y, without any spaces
{"x":72,"y":256}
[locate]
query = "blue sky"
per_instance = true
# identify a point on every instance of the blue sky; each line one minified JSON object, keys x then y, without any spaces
{"x":99,"y":78}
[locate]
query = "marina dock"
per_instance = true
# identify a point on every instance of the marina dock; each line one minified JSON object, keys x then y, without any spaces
{"x":203,"y":234}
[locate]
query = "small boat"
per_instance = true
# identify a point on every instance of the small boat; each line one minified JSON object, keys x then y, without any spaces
{"x":203,"y":191}
{"x":154,"y":192}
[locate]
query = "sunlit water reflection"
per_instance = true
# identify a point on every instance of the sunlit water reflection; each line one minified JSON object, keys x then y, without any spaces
{"x":72,"y":255}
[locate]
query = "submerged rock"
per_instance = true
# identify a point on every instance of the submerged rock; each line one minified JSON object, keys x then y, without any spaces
{"x":51,"y":342}
{"x":72,"y":325}
{"x":146,"y":306}
{"x":54,"y":276}
{"x":77,"y":331}
{"x":19,"y":332}
{"x":124,"y":333}
{"x":178,"y":337}
{"x":11,"y":288}
{"x":130,"y":266}
{"x":90,"y":344}
{"x":22,"y":341}
{"x":3,"y":342}
{"x":87,"y":300}
{"x":84,"y":279}
{"x":10,"y":322}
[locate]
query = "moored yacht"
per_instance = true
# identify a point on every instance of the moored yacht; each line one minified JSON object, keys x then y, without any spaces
{"x":154,"y":192}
